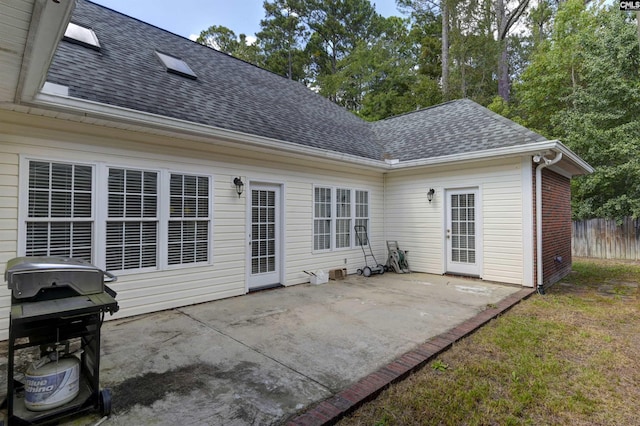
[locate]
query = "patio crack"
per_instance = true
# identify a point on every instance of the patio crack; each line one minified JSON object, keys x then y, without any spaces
{"x":322,"y":385}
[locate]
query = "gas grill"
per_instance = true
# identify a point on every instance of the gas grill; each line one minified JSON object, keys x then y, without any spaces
{"x":56,"y":303}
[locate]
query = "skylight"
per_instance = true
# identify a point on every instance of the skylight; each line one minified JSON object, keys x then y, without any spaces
{"x":82,"y":36}
{"x":176,"y":66}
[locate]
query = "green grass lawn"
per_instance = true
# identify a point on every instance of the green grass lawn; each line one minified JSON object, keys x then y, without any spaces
{"x":571,"y":356}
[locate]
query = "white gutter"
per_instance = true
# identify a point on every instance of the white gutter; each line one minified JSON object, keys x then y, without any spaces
{"x":555,"y":145}
{"x":544,"y":162}
{"x":56,"y":99}
{"x":91,"y":109}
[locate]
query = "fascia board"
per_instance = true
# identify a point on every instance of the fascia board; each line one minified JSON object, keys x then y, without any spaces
{"x":579,"y":162}
{"x":96,"y":110}
{"x":518,"y":150}
{"x":49,"y":20}
{"x":91,"y":109}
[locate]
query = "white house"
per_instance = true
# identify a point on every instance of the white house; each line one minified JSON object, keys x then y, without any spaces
{"x":120,"y":143}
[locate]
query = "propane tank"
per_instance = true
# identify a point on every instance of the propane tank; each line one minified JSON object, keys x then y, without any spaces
{"x":50,"y":383}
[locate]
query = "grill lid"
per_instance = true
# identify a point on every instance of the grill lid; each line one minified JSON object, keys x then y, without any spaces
{"x":27,"y":276}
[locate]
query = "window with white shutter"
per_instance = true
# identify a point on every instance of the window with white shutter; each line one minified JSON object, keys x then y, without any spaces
{"x":122,"y":219}
{"x":189,"y":219}
{"x":132,"y":223}
{"x":60,"y":210}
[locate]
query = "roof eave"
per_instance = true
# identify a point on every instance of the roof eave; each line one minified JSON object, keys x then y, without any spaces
{"x":49,"y":20}
{"x":90,"y":111}
{"x":579,"y":166}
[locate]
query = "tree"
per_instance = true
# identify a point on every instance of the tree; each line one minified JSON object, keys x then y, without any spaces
{"x":602,"y":122}
{"x":583,"y":87}
{"x":474,"y":51}
{"x":539,"y":21}
{"x":225,"y":40}
{"x":506,"y":18}
{"x":380,"y":77}
{"x":281,"y":39}
{"x":555,"y":70}
{"x":336,"y":27}
{"x":421,"y":11}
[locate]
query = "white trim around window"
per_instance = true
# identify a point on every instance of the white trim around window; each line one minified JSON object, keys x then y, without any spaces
{"x":336,"y":209}
{"x":129,"y":219}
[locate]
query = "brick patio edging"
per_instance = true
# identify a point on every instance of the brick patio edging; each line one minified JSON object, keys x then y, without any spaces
{"x":331,"y":410}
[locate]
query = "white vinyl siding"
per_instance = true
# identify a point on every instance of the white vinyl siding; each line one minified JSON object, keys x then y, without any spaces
{"x":16,"y":18}
{"x":59,"y":215}
{"x":419,"y":227}
{"x":170,"y":286}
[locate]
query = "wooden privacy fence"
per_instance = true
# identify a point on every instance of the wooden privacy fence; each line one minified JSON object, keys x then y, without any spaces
{"x":605,"y":239}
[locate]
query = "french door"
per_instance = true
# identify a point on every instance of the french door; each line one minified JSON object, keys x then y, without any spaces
{"x":264,"y":236}
{"x":462,"y":232}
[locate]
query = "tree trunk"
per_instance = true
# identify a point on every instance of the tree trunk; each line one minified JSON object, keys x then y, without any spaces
{"x":505,"y":21}
{"x":504,"y":81}
{"x":638,"y":22}
{"x":445,"y":49}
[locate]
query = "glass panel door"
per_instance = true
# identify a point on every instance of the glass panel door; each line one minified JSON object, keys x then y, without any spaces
{"x":264,"y":236}
{"x":462,"y":232}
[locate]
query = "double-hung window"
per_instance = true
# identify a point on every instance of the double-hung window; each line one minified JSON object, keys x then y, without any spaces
{"x":336,"y":231}
{"x":322,"y":219}
{"x":362,"y":210}
{"x":59,"y":212}
{"x":343,"y":218}
{"x":132,"y":224}
{"x":188,"y":219}
{"x":122,"y":219}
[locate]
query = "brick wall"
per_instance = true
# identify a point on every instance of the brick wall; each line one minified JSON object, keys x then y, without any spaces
{"x":556,"y":226}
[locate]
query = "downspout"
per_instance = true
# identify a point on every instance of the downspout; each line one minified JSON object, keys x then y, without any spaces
{"x":544,"y":162}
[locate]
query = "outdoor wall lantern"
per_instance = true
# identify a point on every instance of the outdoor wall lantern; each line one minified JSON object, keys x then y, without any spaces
{"x":430,"y":194}
{"x":239,"y":185}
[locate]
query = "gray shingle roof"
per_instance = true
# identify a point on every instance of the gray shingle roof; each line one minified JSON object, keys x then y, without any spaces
{"x":235,"y":95}
{"x":451,"y":128}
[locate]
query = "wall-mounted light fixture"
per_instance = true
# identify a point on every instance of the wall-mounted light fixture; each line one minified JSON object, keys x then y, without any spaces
{"x":239,"y":185}
{"x":430,"y":194}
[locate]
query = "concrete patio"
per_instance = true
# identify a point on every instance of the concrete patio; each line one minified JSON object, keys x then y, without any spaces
{"x":267,"y":357}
